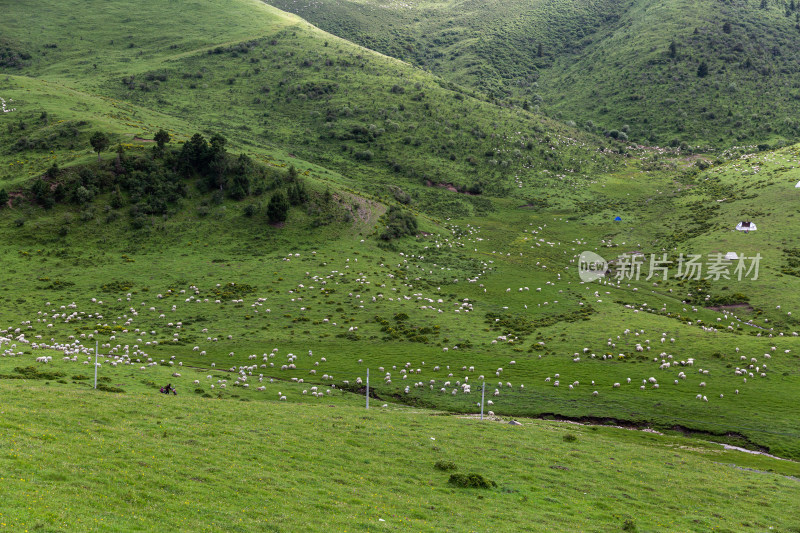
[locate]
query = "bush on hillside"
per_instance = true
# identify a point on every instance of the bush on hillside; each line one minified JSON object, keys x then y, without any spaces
{"x":278,"y":208}
{"x":471,"y":481}
{"x":399,"y":223}
{"x":445,"y":465}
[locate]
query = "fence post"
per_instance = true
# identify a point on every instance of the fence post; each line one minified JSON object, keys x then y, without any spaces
{"x":483,"y":391}
{"x":96,"y":344}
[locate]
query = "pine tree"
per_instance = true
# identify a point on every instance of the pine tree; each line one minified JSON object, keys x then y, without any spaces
{"x":297,"y":193}
{"x":278,"y":208}
{"x":293,"y":195}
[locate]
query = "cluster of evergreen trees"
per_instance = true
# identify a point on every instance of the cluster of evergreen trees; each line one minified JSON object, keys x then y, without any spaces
{"x":154,"y":181}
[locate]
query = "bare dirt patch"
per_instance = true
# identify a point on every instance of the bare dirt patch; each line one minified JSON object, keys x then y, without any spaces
{"x":449,"y":186}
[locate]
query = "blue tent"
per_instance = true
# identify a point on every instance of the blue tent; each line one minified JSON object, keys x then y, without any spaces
{"x":617,"y":219}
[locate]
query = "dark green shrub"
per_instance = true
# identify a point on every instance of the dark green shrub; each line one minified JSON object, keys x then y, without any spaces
{"x":278,"y":208}
{"x":399,"y":224}
{"x":138,"y":222}
{"x":116,"y":201}
{"x":471,"y":481}
{"x":570,"y":437}
{"x":250,"y":210}
{"x":108,"y":388}
{"x":31,"y":372}
{"x":297,"y":193}
{"x":401,"y":196}
{"x":445,"y":465}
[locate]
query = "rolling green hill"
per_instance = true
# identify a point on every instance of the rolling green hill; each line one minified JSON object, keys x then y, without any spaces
{"x":286,"y":86}
{"x":609,"y":66}
{"x":366,"y":132}
{"x":321,"y":211}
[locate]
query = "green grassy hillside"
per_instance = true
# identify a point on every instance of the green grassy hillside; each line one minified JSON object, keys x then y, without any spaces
{"x":77,"y":459}
{"x":429,"y":236}
{"x":479,"y":292}
{"x":284,"y":85}
{"x":606,"y":65}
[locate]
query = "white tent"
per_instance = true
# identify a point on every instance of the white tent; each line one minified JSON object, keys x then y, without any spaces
{"x":731,"y":256}
{"x":797,"y":186}
{"x":746,"y":226}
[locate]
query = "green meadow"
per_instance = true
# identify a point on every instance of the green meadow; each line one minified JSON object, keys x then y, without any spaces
{"x":314,"y":211}
{"x":78,"y":459}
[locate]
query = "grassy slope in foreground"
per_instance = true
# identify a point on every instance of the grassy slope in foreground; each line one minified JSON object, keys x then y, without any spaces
{"x":83,"y":460}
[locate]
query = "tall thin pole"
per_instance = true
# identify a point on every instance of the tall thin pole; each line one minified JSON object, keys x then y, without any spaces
{"x":96,"y":344}
{"x":483,"y":391}
{"x":368,"y":388}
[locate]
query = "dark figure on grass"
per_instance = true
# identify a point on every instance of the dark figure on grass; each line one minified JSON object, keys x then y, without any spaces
{"x":169,"y":388}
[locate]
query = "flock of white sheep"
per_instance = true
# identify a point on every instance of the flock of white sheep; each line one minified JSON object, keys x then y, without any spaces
{"x":4,"y":108}
{"x":439,"y":378}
